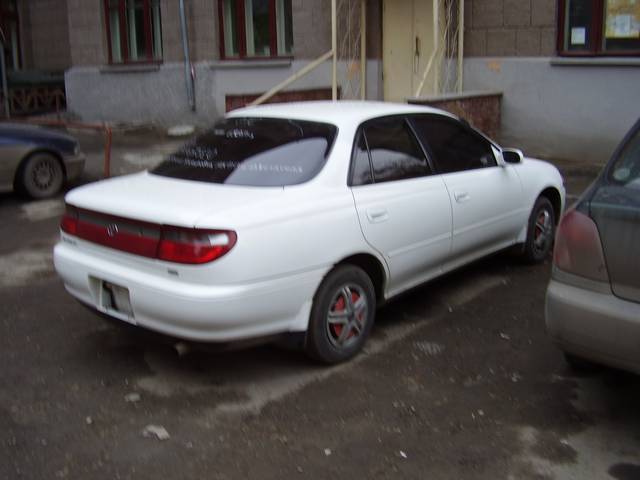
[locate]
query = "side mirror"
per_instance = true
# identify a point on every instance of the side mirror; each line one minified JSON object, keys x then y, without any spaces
{"x":512,"y":155}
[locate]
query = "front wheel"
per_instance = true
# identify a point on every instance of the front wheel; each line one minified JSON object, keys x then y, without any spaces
{"x":41,"y":176}
{"x":342,"y":315}
{"x":540,"y":232}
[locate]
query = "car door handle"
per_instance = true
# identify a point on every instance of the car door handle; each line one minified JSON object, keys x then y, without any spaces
{"x":461,"y":197}
{"x":378,"y":215}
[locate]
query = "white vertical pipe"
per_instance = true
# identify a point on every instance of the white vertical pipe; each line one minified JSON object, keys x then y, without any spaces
{"x":460,"y":81}
{"x":436,"y":43}
{"x":363,"y":49}
{"x":334,"y":49}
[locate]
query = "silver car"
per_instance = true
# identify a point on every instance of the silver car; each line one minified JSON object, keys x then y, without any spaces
{"x":593,"y":299}
{"x":37,"y":161}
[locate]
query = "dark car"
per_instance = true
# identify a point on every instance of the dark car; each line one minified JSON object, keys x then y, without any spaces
{"x":37,"y":161}
{"x":593,"y":300}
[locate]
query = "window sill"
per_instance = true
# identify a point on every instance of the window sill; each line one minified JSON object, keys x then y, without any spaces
{"x":257,"y":63}
{"x":130,"y":68}
{"x":595,"y":62}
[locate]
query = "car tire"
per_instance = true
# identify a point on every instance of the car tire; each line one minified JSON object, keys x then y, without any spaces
{"x":342,"y":315}
{"x":541,"y":230}
{"x":578,"y":364}
{"x":40,"y":176}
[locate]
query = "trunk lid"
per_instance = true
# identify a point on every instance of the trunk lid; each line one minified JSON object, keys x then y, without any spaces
{"x":167,"y":201}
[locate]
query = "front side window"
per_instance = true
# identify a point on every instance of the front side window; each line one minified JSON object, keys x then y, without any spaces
{"x":394,"y":152}
{"x":599,"y":27}
{"x":262,"y":152}
{"x":134,"y":30}
{"x":454,"y":147}
{"x":256,"y":28}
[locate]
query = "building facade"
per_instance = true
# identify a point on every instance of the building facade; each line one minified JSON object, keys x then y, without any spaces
{"x":569,"y":70}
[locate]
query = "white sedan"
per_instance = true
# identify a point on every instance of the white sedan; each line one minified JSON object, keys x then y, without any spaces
{"x":301,"y":218}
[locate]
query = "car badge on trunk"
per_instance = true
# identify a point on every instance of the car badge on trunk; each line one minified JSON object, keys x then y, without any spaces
{"x":112,"y":229}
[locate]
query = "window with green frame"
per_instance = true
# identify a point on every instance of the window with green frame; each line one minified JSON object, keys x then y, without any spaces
{"x":255,"y":28}
{"x":134,"y":30}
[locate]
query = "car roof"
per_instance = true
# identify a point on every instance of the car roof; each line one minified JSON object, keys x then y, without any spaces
{"x":339,"y":113}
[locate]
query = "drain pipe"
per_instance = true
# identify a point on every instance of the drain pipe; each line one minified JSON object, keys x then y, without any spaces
{"x":3,"y":66}
{"x":189,"y":73}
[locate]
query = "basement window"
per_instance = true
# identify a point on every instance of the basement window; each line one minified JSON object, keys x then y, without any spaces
{"x":134,"y":30}
{"x":599,"y":27}
{"x":255,"y":28}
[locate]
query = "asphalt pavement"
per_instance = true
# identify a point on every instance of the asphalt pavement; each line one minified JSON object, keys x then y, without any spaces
{"x":458,"y":381}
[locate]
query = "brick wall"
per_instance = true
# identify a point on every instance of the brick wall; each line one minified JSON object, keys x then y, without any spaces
{"x":505,"y":28}
{"x":87,"y":38}
{"x":45,"y":35}
{"x":482,"y":110}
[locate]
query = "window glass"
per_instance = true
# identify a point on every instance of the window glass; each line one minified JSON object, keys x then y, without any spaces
{"x":361,"y":174}
{"x":254,"y":152}
{"x":266,"y":25}
{"x":579,"y":18}
{"x":135,"y":30}
{"x":626,"y":170}
{"x":284,"y":22}
{"x":257,"y":27}
{"x":140,"y":38}
{"x":622,"y":25}
{"x":395,"y":153}
{"x":230,"y":27}
{"x":454,"y":147}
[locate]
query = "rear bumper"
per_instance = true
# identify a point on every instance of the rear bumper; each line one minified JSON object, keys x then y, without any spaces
{"x":74,"y":165}
{"x":597,"y":326}
{"x":204,"y":313}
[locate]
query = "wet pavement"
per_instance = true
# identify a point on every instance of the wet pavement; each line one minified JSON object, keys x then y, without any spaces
{"x":457,"y":381}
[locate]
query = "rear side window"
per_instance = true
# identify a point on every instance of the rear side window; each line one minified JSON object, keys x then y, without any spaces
{"x":395,"y":153}
{"x":361,"y":166}
{"x":454,"y":146}
{"x":626,"y":170}
{"x":253,"y":152}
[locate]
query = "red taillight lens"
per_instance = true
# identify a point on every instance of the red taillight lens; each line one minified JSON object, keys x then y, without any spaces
{"x":69,"y":222}
{"x":578,"y":249}
{"x":194,"y":246}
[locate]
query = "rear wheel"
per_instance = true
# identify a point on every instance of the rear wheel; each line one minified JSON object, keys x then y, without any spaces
{"x":41,"y":176}
{"x":342,"y":315}
{"x":540,"y":232}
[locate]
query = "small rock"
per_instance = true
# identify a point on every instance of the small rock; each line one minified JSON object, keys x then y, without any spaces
{"x":327,"y":451}
{"x":481,"y":413}
{"x":402,"y":454}
{"x":132,"y":397}
{"x":157,"y":431}
{"x":88,"y":420}
{"x":504,"y":336}
{"x":299,"y":469}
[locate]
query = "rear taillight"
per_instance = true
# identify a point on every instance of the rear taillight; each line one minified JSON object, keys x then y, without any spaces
{"x":194,"y":246}
{"x":69,"y":222}
{"x":168,"y":243}
{"x":578,"y":249}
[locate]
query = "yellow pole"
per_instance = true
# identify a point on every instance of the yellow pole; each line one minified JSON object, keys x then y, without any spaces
{"x":363,"y":49}
{"x":334,"y":49}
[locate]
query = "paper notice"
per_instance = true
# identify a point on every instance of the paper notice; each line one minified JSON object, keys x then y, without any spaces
{"x":578,"y":36}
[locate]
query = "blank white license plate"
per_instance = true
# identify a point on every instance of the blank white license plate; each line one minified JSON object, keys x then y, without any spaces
{"x":115,"y":300}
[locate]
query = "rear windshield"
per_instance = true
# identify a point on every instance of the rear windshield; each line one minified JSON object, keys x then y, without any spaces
{"x":254,"y":152}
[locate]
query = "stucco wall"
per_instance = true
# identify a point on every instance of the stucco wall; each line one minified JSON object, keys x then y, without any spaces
{"x":159,"y":96}
{"x":561,"y":111}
